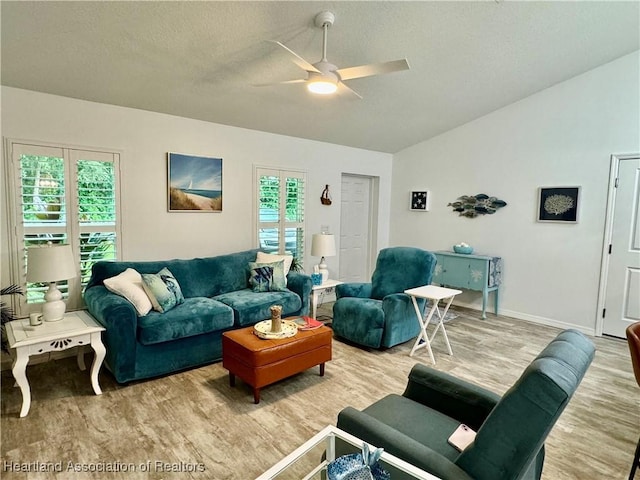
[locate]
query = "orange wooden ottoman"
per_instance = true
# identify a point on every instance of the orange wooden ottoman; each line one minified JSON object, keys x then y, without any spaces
{"x":260,"y":362}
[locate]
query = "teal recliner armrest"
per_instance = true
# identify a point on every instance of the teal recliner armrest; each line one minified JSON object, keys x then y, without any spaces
{"x":466,"y":402}
{"x":397,"y":443}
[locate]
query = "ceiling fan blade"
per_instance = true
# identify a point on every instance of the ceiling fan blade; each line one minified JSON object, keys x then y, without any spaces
{"x":350,"y":73}
{"x":297,"y":59}
{"x":300,"y":80}
{"x":344,"y":88}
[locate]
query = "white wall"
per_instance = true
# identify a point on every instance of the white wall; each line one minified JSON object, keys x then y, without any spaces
{"x":562,"y":136}
{"x":144,"y":138}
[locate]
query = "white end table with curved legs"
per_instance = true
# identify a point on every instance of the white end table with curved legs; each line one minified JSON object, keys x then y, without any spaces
{"x":435,"y":294}
{"x":76,"y":329}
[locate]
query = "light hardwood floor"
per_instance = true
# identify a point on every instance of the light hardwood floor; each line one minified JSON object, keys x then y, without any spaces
{"x":195,"y":417}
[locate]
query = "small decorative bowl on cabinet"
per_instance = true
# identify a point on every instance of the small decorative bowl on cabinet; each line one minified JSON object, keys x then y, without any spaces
{"x":466,"y":249}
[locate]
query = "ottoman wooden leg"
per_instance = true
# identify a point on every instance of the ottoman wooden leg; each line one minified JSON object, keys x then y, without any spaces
{"x":256,"y":395}
{"x":322,"y":369}
{"x":232,"y":380}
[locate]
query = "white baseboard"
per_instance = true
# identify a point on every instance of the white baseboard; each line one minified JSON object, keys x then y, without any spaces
{"x":551,"y":322}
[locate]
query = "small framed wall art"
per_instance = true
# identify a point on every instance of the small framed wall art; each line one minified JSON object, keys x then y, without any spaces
{"x":194,"y":183}
{"x":558,"y":204}
{"x":419,"y":201}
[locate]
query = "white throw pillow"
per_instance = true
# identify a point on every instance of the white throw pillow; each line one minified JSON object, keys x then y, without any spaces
{"x":128,"y":284}
{"x":271,"y":258}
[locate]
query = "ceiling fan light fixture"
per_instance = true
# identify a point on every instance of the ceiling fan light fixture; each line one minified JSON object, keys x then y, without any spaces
{"x":324,"y":82}
{"x":322,"y":87}
{"x":324,"y":78}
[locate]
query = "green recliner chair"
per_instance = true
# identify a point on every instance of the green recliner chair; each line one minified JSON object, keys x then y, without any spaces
{"x":379,"y":314}
{"x":511,"y":429}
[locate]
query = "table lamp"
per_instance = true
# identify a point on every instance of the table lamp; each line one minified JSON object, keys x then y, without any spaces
{"x":323,"y":245}
{"x":48,"y":264}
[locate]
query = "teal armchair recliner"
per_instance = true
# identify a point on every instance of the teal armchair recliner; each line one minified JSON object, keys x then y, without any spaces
{"x":379,"y":314}
{"x":511,"y":429}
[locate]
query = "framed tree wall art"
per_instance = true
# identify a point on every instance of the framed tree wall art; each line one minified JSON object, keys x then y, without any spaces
{"x":558,"y":204}
{"x":194,"y":183}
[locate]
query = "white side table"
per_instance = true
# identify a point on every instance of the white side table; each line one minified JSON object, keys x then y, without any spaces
{"x":434,"y":293}
{"x":317,"y":290}
{"x":76,"y":329}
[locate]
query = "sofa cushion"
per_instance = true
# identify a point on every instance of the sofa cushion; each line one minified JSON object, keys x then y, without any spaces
{"x":198,"y":277}
{"x":163,"y":290}
{"x":250,"y":308}
{"x":267,"y":277}
{"x":128,"y":284}
{"x":262,"y":257}
{"x":193,"y":317}
{"x":261,"y":278}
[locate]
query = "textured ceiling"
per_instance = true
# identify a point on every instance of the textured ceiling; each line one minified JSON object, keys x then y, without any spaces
{"x":202,"y":59}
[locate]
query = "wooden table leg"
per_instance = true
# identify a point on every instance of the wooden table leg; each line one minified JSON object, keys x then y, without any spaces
{"x":80,"y":358}
{"x":423,"y":338}
{"x":314,"y":303}
{"x":19,"y":371}
{"x":441,"y":324}
{"x":100,"y":352}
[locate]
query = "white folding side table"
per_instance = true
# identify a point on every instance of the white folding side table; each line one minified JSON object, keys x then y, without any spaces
{"x":76,"y":329}
{"x":435,"y":294}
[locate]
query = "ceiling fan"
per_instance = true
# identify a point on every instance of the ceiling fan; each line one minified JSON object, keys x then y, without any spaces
{"x":325,"y":78}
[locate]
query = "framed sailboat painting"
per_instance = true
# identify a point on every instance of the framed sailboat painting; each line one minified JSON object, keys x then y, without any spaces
{"x":194,"y":183}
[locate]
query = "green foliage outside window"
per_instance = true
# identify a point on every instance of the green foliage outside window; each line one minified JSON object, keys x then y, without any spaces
{"x":270,"y":198}
{"x":44,"y":206}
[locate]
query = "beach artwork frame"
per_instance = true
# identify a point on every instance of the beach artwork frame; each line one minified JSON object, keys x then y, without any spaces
{"x":558,"y":204}
{"x":194,"y":183}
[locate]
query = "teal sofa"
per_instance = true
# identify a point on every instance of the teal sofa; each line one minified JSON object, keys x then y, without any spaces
{"x":511,"y":429}
{"x":379,"y":313}
{"x":217,"y":299}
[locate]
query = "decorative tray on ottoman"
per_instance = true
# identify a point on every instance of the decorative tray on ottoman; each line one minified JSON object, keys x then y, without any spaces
{"x":263,"y":330}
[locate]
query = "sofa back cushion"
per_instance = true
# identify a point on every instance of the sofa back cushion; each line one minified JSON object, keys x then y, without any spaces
{"x":401,"y":268}
{"x":198,"y":277}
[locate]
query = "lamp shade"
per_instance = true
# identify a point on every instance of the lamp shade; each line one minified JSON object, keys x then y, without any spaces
{"x":50,"y":263}
{"x":323,"y":245}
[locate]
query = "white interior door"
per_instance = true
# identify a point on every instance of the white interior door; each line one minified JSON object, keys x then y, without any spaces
{"x":622,"y":297}
{"x":355,"y":229}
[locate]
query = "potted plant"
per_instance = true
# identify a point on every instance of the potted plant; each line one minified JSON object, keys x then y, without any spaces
{"x":296,"y":266}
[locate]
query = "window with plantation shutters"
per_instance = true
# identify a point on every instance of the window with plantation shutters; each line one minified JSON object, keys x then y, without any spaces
{"x":280,"y":211}
{"x":62,"y":195}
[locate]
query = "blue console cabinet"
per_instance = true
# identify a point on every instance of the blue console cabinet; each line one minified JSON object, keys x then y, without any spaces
{"x":471,"y":272}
